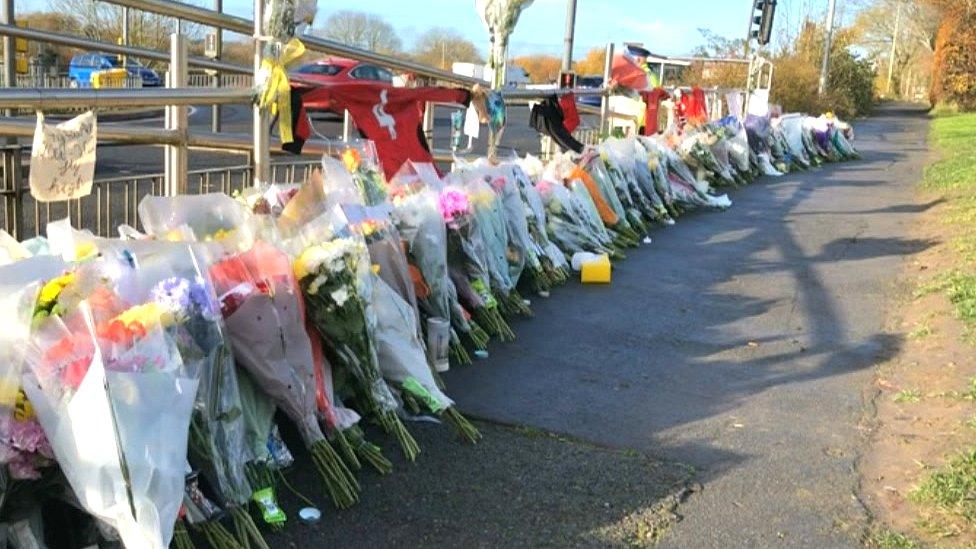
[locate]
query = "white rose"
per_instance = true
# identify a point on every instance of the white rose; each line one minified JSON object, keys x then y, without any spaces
{"x":340,"y":296}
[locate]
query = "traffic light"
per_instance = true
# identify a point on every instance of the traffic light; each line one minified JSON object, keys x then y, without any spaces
{"x":567,"y":80}
{"x":762,"y":20}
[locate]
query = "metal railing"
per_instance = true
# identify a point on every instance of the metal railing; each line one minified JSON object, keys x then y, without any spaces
{"x":225,"y":83}
{"x":114,"y":200}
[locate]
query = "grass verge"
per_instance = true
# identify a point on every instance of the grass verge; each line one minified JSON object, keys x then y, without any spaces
{"x":947,"y":497}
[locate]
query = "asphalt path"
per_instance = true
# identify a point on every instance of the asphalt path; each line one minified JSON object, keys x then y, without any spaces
{"x":738,"y":342}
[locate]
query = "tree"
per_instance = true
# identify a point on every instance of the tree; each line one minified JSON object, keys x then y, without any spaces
{"x":954,"y":66}
{"x":592,"y":63}
{"x":916,"y":26}
{"x":439,"y":47}
{"x":361,"y":30}
{"x":103,"y":22}
{"x":542,"y":69}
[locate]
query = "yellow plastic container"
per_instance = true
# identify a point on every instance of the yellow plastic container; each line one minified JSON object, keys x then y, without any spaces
{"x":596,"y":271}
{"x":109,"y":78}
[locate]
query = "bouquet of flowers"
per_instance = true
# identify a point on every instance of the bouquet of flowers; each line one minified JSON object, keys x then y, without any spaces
{"x":262,"y":306}
{"x":106,"y":383}
{"x":571,"y":220}
{"x":362,"y":163}
{"x":24,"y":448}
{"x":403,"y":361}
{"x":333,"y":272}
{"x":174,"y":276}
{"x":419,"y":212}
{"x":592,"y":173}
{"x":545,"y":262}
{"x":619,"y":156}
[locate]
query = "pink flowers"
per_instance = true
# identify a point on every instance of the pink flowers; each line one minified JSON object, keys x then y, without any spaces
{"x":24,"y":447}
{"x":453,"y":204}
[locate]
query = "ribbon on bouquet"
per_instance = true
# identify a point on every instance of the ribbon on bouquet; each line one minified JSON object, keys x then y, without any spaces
{"x":276,"y":95}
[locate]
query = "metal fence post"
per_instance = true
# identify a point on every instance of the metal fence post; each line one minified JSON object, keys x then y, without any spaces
{"x":218,"y":47}
{"x":176,"y":119}
{"x":605,"y":100}
{"x":262,"y":154}
{"x":10,"y":187}
{"x":346,"y":125}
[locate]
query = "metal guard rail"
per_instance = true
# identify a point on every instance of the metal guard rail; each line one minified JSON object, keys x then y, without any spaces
{"x":108,"y":47}
{"x":41,"y":98}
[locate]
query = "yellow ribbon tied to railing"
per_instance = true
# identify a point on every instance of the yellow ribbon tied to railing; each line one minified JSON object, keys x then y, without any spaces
{"x":276,"y":95}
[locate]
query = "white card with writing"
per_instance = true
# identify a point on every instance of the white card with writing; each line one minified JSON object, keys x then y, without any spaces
{"x":62,"y":164}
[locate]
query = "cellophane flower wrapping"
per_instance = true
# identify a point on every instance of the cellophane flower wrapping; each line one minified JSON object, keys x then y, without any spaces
{"x":283,"y":19}
{"x":24,"y":447}
{"x":417,"y":213}
{"x":262,"y":307}
{"x":486,"y":235}
{"x":361,"y":162}
{"x":333,"y":270}
{"x":175,"y":276}
{"x":536,"y":211}
{"x":106,"y":383}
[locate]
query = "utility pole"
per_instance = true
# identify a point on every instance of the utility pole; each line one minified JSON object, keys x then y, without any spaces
{"x":831,"y":8}
{"x":570,"y":31}
{"x":894,"y":48}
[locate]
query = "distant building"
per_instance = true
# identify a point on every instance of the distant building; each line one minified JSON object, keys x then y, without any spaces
{"x":515,"y":76}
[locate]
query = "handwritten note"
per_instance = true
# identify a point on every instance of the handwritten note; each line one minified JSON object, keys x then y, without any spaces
{"x":63,"y":158}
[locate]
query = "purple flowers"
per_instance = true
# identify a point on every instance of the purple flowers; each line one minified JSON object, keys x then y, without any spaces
{"x":24,"y":447}
{"x":184,"y":298}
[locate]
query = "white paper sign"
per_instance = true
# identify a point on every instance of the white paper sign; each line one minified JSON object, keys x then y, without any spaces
{"x":759,"y":103}
{"x":63,"y":158}
{"x":472,"y":124}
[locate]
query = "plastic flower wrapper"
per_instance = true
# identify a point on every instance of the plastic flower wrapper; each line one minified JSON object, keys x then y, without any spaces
{"x":619,"y":156}
{"x":594,"y":174}
{"x":695,"y":151}
{"x":283,"y":19}
{"x":174,"y":276}
{"x":24,"y":448}
{"x":362,"y":163}
{"x":738,"y":143}
{"x":567,"y":222}
{"x":646,"y":178}
{"x":510,"y":227}
{"x":213,"y":217}
{"x":404,"y":362}
{"x":468,"y":261}
{"x":262,"y":307}
{"x":545,"y":261}
{"x":419,"y":210}
{"x":332,"y":267}
{"x":117,"y":411}
{"x":485,"y":237}
{"x":657,"y":163}
{"x":688,"y":189}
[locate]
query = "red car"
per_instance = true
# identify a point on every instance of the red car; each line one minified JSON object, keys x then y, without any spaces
{"x":338,"y":70}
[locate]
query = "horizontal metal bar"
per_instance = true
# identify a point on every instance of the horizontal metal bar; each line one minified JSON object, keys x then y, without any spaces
{"x":188,"y":12}
{"x":134,"y":135}
{"x":539,"y":93}
{"x":712,"y":60}
{"x":108,"y":47}
{"x":54,"y":98}
{"x":244,"y":26}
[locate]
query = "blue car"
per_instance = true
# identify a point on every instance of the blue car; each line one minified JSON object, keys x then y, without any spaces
{"x":82,"y":66}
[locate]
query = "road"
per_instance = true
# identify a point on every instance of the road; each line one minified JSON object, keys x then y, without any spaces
{"x":739,"y":343}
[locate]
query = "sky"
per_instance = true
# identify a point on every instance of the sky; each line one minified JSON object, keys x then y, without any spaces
{"x":668,"y":27}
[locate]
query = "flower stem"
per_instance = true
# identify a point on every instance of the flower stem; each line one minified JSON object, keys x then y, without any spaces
{"x":346,"y":450}
{"x":244,"y":524}
{"x":461,"y":424}
{"x":339,"y":481}
{"x":181,"y":537}
{"x":391,"y":424}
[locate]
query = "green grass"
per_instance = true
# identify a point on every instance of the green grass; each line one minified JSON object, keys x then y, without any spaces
{"x":908,"y":396}
{"x":952,"y":489}
{"x":954,"y":138}
{"x":921,"y":330}
{"x":886,"y":539}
